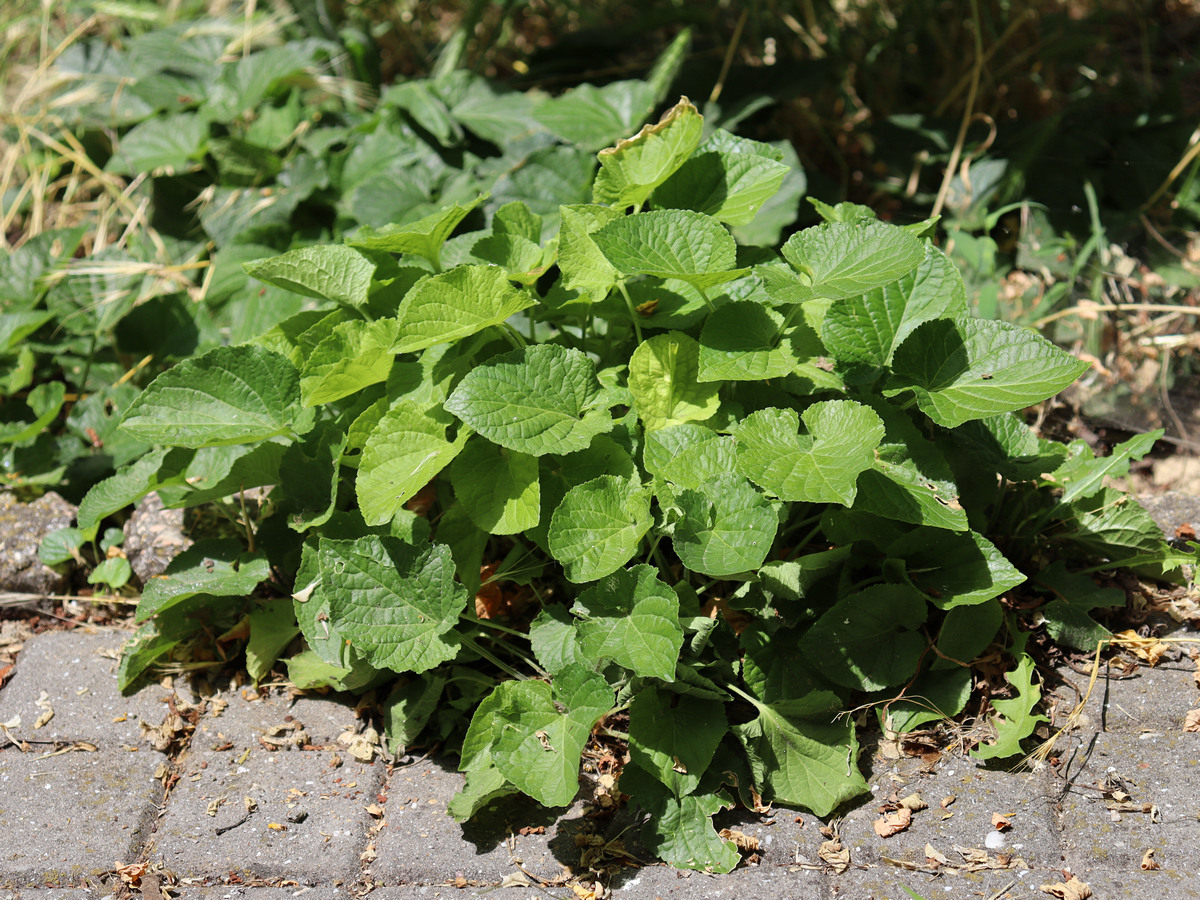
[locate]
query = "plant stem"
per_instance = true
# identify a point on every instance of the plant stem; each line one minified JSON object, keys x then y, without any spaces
{"x":704,"y":296}
{"x":633,"y":315}
{"x":514,"y":336}
{"x":488,"y":623}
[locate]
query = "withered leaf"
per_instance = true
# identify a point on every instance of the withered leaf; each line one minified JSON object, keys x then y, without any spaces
{"x":935,"y":856}
{"x":1191,"y":722}
{"x":893,"y":823}
{"x":1149,"y":863}
{"x":744,"y":842}
{"x":1071,"y":889}
{"x":1000,"y":823}
{"x":914,"y":803}
{"x":835,"y":854}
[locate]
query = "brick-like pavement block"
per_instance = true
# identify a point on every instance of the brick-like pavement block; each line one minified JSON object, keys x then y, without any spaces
{"x":1023,"y":798}
{"x":77,"y":673}
{"x":1106,"y":846}
{"x":422,"y":844}
{"x":322,"y":847}
{"x":73,"y":815}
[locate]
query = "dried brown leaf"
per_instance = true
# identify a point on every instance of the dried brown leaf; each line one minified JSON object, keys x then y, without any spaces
{"x":835,"y":854}
{"x":1191,"y":722}
{"x":935,"y":857}
{"x":946,"y":801}
{"x":1071,"y":889}
{"x":914,"y":802}
{"x":744,"y":842}
{"x":1000,"y":823}
{"x":893,"y":823}
{"x":1149,"y":863}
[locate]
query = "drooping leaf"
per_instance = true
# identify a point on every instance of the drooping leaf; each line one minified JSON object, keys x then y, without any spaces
{"x":156,"y":469}
{"x":911,"y":480}
{"x":632,"y":618}
{"x":679,"y":829}
{"x":397,"y":603}
{"x":230,"y":395}
{"x":663,"y":380}
{"x":329,"y":272}
{"x":746,"y":341}
{"x":671,"y":243}
{"x":1111,"y":524}
{"x":969,"y":368}
{"x":1015,"y":719}
{"x":820,"y":466}
{"x":455,"y":304}
{"x":1068,"y":619}
{"x":309,"y":472}
{"x":597,"y":527}
{"x":272,"y":627}
{"x":801,"y":755}
{"x":1006,"y":445}
{"x":408,"y":708}
{"x":554,"y":639}
{"x":216,"y":568}
{"x":407,"y":448}
{"x":674,"y":737}
{"x":954,"y":568}
{"x":355,"y":355}
{"x":867,"y":640}
{"x":630,"y":171}
{"x":424,"y":237}
{"x":584,"y":267}
{"x":842,"y":259}
{"x":537,"y":400}
{"x":498,"y":488}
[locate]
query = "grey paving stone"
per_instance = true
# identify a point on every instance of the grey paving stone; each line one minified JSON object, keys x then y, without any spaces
{"x":72,"y":815}
{"x":77,"y":672}
{"x":319,"y":850}
{"x":251,"y":713}
{"x":1153,"y":699}
{"x":449,"y":892}
{"x":888,"y":883}
{"x":52,"y":894}
{"x":1023,"y":798}
{"x":1172,"y":509}
{"x":752,"y":883}
{"x":422,"y":844}
{"x":1107,"y":851}
{"x":242,"y":892}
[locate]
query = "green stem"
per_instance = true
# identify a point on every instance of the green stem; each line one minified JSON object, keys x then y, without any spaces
{"x":737,"y":690}
{"x":704,"y":296}
{"x":493,"y":659}
{"x":488,"y":623}
{"x":785,"y":325}
{"x":514,"y":336}
{"x":633,"y":316}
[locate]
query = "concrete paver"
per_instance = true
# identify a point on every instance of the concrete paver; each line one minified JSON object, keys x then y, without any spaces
{"x":73,"y":815}
{"x":1107,"y":835}
{"x":309,"y":821}
{"x":74,"y":674}
{"x":422,"y":844}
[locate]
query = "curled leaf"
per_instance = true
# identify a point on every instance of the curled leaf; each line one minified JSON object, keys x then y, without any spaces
{"x":1071,"y":889}
{"x":893,"y":823}
{"x":835,"y":854}
{"x":1149,"y":863}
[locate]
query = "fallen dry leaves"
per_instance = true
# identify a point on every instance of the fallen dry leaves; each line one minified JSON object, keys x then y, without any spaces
{"x":1148,"y":650}
{"x":1071,"y":889}
{"x":893,"y":822}
{"x":744,"y":842}
{"x":1191,"y":722}
{"x":1149,"y":863}
{"x":1000,"y":823}
{"x":835,"y":854}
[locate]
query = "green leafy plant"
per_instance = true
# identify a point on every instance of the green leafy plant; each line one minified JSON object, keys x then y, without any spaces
{"x":710,"y":492}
